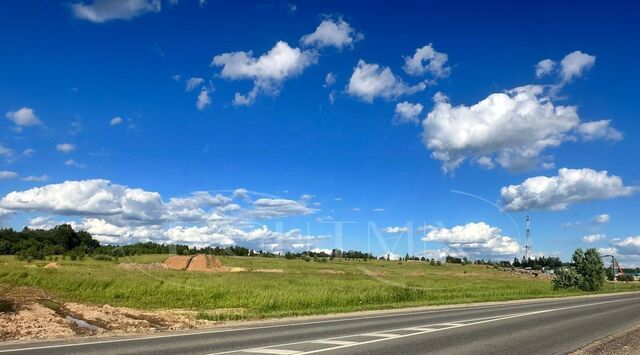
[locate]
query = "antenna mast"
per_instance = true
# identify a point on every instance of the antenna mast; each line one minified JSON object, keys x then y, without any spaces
{"x":527,"y":243}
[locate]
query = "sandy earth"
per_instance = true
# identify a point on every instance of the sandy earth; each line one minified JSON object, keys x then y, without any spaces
{"x":625,"y":343}
{"x":178,"y":262}
{"x":38,"y":315}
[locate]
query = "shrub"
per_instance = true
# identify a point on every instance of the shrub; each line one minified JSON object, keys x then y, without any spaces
{"x":102,"y":257}
{"x":566,"y":277}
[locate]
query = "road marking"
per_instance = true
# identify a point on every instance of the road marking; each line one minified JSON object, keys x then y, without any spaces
{"x":421,"y":329}
{"x":388,"y":334}
{"x":272,"y":351}
{"x":333,"y":342}
{"x":338,"y":320}
{"x":379,"y":335}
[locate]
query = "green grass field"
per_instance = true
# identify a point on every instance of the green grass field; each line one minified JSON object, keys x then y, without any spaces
{"x":302,"y":288}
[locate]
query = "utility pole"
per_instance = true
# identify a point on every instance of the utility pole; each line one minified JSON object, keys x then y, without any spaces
{"x":527,"y":242}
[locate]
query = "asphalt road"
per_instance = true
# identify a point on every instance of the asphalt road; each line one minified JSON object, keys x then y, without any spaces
{"x":537,"y":327}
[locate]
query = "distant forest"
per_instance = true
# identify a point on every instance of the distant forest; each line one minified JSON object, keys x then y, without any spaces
{"x":63,"y":240}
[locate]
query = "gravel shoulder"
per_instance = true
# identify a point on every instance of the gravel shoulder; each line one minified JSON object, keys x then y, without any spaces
{"x":625,"y":343}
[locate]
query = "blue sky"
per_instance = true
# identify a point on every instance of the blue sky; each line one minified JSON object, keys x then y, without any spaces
{"x":99,"y":90}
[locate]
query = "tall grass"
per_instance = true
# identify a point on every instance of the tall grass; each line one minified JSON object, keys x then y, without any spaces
{"x":302,"y":288}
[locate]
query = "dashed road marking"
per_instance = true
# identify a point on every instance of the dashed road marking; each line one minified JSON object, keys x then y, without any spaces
{"x":389,"y":334}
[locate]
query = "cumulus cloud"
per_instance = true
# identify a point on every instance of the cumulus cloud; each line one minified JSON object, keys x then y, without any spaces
{"x":545,"y":67}
{"x":601,"y":219}
{"x":193,"y":83}
{"x":575,"y":64}
{"x":427,"y":60}
{"x":599,"y":130}
{"x":24,"y":117}
{"x":107,"y":10}
{"x":474,"y":239}
{"x":369,"y":81}
{"x":332,"y":33}
{"x":407,"y":112}
{"x":65,"y":147}
{"x":116,"y":121}
{"x":396,"y":230}
{"x":117,"y":214}
{"x":629,"y":246}
{"x":592,"y":238}
{"x":570,"y":186}
{"x":203,"y":99}
{"x":278,"y":207}
{"x":511,"y":129}
{"x":8,"y":175}
{"x":268,"y":71}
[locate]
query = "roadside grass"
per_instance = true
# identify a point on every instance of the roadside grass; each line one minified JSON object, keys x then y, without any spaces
{"x":302,"y":288}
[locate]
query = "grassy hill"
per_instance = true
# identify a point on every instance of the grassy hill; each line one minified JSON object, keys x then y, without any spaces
{"x":273,"y":287}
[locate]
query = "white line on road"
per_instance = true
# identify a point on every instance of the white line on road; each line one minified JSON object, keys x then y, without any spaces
{"x":338,"y":320}
{"x":388,"y":334}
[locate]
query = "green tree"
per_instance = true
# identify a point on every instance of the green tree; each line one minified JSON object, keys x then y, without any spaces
{"x":590,"y":267}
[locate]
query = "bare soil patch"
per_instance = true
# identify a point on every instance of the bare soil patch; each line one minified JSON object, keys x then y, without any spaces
{"x":277,"y":271}
{"x":334,"y":272}
{"x":34,"y":314}
{"x":178,"y":262}
{"x":52,"y":265}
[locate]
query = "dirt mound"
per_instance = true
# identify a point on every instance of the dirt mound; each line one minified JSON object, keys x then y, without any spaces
{"x":35,"y":314}
{"x":215,"y":261}
{"x":34,"y":321}
{"x":52,"y":265}
{"x":199,"y":262}
{"x":178,"y":262}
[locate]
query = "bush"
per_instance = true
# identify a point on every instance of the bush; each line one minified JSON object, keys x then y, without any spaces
{"x":587,"y":272}
{"x":566,"y":277}
{"x":590,"y":266}
{"x":102,"y":257}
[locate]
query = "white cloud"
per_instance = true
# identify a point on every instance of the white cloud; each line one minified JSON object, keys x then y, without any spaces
{"x":427,"y":59}
{"x":396,"y":230}
{"x":24,"y":117}
{"x":629,"y":246}
{"x":599,"y":130}
{"x":193,"y":83}
{"x":545,"y":67}
{"x":176,"y":77}
{"x":592,"y":238}
{"x":332,"y":32}
{"x":329,"y":79}
{"x":278,"y":207}
{"x":116,"y":121}
{"x":65,"y":147}
{"x":29,"y":152}
{"x":267,"y":71}
{"x":369,"y":81}
{"x":512,"y":129}
{"x":203,"y":100}
{"x":41,"y":222}
{"x":106,"y":10}
{"x":377,"y":209}
{"x":475,"y":239}
{"x":601,"y":219}
{"x":241,"y":194}
{"x":408,"y":112}
{"x":574,"y":64}
{"x":72,"y":162}
{"x":6,"y":152}
{"x":8,"y":175}
{"x":35,"y":178}
{"x":570,"y":186}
